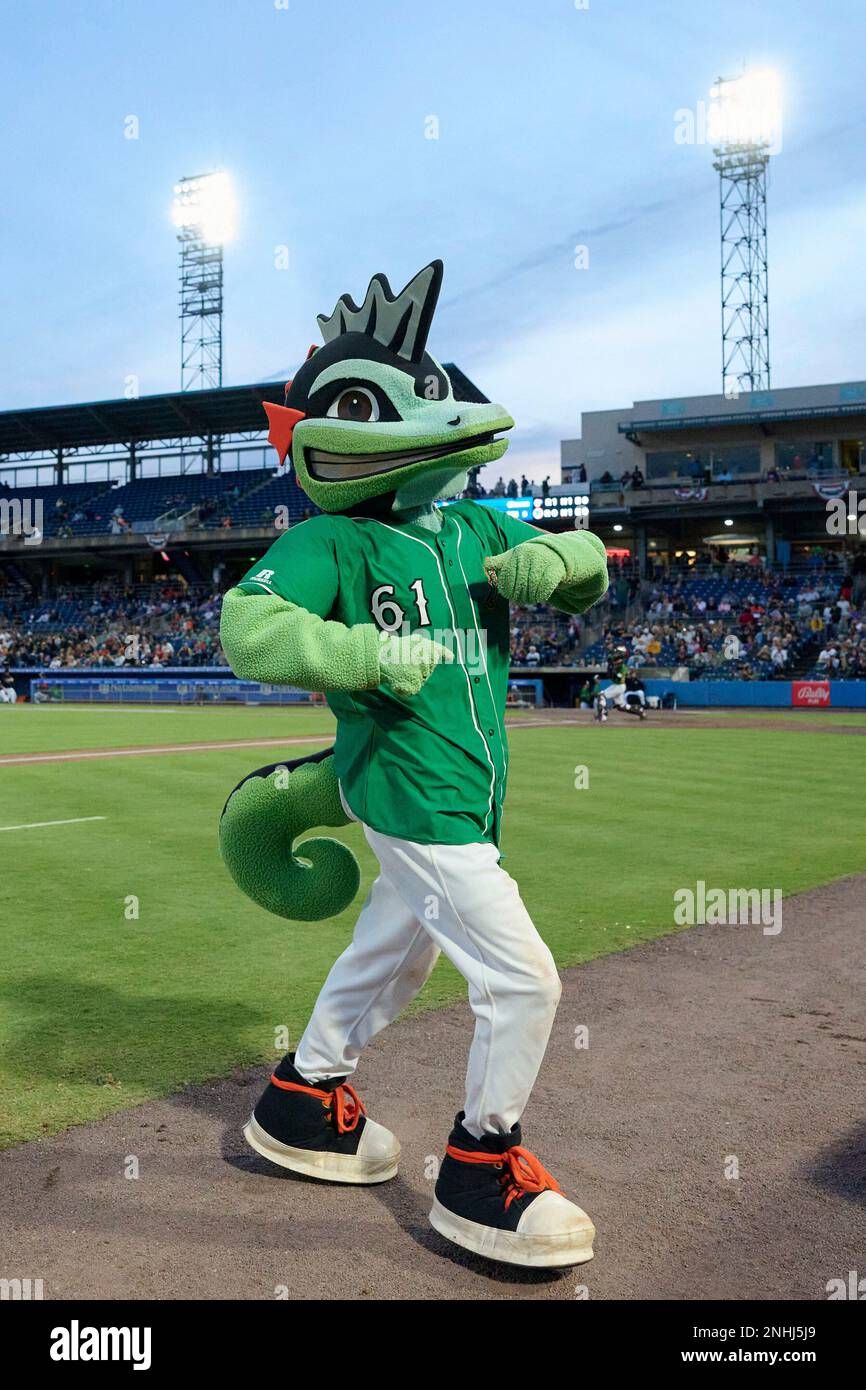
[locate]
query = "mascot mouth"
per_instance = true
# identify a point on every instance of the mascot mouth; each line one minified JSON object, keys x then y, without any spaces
{"x":333,"y":467}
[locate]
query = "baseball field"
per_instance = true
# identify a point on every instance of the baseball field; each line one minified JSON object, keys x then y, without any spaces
{"x":132,"y":967}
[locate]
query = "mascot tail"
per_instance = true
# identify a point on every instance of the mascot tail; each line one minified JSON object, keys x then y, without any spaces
{"x":259,"y":825}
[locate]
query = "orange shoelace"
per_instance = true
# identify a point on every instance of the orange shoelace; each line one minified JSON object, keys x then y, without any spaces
{"x":522,"y":1171}
{"x":343,"y":1103}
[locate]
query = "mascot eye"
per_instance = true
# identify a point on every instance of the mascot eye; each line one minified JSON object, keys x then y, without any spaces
{"x":355,"y":404}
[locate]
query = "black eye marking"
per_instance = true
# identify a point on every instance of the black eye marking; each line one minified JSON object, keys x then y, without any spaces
{"x":351,"y":399}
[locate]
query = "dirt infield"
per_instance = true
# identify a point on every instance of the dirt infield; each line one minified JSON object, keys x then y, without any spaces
{"x":715,"y":1046}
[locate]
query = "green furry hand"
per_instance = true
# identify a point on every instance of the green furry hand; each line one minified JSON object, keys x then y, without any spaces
{"x":528,"y":573}
{"x":406,"y":661}
{"x":568,"y":570}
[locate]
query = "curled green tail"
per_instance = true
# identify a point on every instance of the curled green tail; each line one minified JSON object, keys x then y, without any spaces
{"x":260,"y":823}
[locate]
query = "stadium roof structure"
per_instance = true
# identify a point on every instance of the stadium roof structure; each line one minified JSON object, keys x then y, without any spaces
{"x":177,"y":415}
{"x":754,"y":408}
{"x":747,"y":417}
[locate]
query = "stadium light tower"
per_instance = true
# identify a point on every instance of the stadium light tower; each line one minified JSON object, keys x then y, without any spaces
{"x":204,"y":213}
{"x":745,"y":129}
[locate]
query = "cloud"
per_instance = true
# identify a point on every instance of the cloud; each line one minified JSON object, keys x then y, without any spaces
{"x":654,"y":331}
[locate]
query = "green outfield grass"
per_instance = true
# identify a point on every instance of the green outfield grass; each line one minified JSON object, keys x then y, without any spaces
{"x":99,"y":1011}
{"x":832,"y":717}
{"x":53,"y":728}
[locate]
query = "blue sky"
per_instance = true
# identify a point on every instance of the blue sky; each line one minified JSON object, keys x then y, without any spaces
{"x":555,"y":129}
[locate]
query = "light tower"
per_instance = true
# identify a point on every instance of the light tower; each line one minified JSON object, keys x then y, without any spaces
{"x":745,"y":129}
{"x":204,"y":214}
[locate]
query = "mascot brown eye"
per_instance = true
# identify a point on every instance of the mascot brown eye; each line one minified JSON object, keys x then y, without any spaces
{"x":356,"y":404}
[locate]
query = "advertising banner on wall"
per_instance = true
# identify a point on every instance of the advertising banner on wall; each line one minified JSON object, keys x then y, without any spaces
{"x":810,"y":694}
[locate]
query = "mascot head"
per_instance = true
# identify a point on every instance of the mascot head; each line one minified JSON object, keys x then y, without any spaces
{"x":372,"y":416}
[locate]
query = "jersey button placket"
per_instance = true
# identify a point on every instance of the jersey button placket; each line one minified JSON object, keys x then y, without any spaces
{"x":481,"y":694}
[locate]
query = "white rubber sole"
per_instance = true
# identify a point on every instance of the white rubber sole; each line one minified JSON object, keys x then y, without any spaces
{"x":510,"y":1247}
{"x":327,"y":1167}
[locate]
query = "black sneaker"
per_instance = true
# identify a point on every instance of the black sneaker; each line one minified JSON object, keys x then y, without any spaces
{"x":495,"y":1198}
{"x":322,"y":1131}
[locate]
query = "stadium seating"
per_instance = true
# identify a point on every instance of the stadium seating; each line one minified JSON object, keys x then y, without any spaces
{"x":61,"y":503}
{"x":694,"y":621}
{"x":84,"y":509}
{"x":257,"y":507}
{"x":700,"y":623}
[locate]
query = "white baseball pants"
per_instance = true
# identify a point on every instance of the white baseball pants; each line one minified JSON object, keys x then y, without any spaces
{"x":456,"y":899}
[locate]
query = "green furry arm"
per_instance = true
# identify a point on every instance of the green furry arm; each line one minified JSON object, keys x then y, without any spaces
{"x":267,"y":639}
{"x":567,"y":570}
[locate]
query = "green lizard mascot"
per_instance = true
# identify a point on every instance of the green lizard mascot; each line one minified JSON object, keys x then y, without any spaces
{"x":398,"y":610}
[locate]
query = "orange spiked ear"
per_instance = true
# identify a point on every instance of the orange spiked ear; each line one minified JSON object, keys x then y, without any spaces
{"x":282,"y":420}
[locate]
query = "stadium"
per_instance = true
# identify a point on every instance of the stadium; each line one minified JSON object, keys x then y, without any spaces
{"x":145,"y":998}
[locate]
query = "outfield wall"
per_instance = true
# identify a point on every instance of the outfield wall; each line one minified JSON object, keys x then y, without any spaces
{"x":753,"y":694}
{"x":160,"y":688}
{"x":217,"y":684}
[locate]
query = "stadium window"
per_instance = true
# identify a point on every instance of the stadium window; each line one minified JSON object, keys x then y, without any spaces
{"x":735,"y":460}
{"x":804,"y":456}
{"x":671,"y":464}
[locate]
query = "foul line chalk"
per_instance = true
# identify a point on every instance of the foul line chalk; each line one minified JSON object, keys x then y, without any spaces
{"x":38,"y":824}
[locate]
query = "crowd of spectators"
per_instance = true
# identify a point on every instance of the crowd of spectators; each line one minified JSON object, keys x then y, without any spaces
{"x":542,"y":637}
{"x":513,"y":488}
{"x":764,"y":627}
{"x":153,"y":625}
{"x":174,"y":625}
{"x":698,"y":472}
{"x":761,"y":626}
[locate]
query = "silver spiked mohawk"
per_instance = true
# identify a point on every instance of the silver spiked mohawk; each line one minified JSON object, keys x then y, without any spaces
{"x":399,"y":322}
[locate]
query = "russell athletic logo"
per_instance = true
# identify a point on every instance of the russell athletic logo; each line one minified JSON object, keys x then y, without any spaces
{"x":703,"y":906}
{"x":77,"y":1343}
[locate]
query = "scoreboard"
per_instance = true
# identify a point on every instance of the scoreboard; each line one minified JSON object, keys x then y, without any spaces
{"x":572,"y":506}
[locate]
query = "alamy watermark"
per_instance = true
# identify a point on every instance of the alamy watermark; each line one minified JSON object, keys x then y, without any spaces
{"x":466,"y":646}
{"x":846,"y":515}
{"x":77,"y":1343}
{"x":852,"y":1287}
{"x":703,"y":906}
{"x":21,"y":1290}
{"x":22,"y":517}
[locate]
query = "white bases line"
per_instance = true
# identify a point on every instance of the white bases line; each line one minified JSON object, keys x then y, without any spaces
{"x":38,"y":824}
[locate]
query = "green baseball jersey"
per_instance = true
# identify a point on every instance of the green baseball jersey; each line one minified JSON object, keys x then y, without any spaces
{"x":430,"y":767}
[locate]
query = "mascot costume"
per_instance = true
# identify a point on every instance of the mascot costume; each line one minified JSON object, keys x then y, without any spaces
{"x":397,"y":609}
